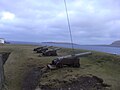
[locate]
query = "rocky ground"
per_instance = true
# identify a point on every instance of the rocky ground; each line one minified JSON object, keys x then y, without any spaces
{"x":84,"y":82}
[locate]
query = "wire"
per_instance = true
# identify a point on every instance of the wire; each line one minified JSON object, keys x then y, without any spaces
{"x":69,"y":27}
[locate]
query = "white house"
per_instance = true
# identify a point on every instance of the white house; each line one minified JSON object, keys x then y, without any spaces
{"x":2,"y":41}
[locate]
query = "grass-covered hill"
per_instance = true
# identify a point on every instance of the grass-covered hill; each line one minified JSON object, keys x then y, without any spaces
{"x":23,"y":69}
{"x":116,"y":43}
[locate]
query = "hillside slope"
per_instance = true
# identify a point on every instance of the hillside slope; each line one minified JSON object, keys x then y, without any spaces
{"x":23,"y":67}
{"x":116,"y":43}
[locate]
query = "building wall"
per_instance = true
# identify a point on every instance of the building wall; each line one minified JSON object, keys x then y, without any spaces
{"x":2,"y":41}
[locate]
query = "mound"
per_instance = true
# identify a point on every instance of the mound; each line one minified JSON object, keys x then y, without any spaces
{"x":85,"y":82}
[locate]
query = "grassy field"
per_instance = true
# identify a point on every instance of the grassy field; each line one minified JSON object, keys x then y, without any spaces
{"x":22,"y":59}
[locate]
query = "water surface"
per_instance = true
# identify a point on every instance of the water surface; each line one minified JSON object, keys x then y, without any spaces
{"x":106,"y":49}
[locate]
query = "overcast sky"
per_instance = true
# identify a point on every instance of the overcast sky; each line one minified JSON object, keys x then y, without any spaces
{"x":92,"y":21}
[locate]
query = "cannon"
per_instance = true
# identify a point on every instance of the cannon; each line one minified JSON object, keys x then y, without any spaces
{"x":51,"y":52}
{"x":69,"y":60}
{"x":35,"y":49}
{"x":43,"y":49}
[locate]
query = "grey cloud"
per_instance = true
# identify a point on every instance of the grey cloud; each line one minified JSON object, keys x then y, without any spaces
{"x":92,"y":21}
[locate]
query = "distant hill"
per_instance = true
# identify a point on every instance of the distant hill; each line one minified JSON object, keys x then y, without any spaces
{"x":116,"y":43}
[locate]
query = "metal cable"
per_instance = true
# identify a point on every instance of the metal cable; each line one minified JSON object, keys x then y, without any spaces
{"x":69,"y":27}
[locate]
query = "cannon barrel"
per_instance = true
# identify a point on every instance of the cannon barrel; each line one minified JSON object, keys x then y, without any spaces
{"x":35,"y":49}
{"x":43,"y":49}
{"x":50,"y":52}
{"x":77,"y":55}
{"x":83,"y":54}
{"x":46,"y":47}
{"x":54,"y":49}
{"x":57,"y":49}
{"x":49,"y":46}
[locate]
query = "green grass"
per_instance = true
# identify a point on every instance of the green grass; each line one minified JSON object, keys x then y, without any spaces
{"x":22,"y":59}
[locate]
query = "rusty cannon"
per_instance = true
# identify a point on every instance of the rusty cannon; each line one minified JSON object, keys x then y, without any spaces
{"x":69,"y":60}
{"x":43,"y":49}
{"x":35,"y":49}
{"x":51,"y":52}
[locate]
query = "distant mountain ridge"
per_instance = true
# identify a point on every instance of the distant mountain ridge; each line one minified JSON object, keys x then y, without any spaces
{"x":116,"y":43}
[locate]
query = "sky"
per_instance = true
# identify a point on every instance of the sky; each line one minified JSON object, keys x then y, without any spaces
{"x":91,"y":21}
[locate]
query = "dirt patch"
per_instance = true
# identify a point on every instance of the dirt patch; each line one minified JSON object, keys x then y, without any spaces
{"x":5,"y":56}
{"x":31,"y":79}
{"x":86,"y":82}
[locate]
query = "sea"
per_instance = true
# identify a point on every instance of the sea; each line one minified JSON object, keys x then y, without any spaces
{"x":99,"y":48}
